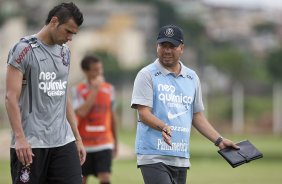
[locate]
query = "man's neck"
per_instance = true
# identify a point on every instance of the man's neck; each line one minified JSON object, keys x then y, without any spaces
{"x":44,"y":37}
{"x":174,"y":69}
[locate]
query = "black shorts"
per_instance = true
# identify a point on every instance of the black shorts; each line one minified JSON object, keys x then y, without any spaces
{"x":164,"y":174}
{"x":59,"y":165}
{"x":97,"y":162}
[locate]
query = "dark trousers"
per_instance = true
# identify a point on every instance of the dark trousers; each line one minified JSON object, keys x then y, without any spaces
{"x":160,"y":173}
{"x":59,"y":165}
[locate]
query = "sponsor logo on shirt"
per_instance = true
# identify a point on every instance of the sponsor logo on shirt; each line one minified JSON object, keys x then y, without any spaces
{"x":158,"y":73}
{"x":23,"y":54}
{"x":172,"y":116}
{"x":167,"y":95}
{"x":175,"y":146}
{"x":50,"y":85}
{"x":189,"y":77}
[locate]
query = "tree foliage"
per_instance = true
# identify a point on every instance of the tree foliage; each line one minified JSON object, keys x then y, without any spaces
{"x":230,"y":61}
{"x":166,"y":11}
{"x":274,"y":64}
{"x":112,"y":70}
{"x":194,"y":30}
{"x":265,"y":27}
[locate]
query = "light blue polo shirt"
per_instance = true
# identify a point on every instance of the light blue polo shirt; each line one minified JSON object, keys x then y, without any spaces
{"x":174,"y":100}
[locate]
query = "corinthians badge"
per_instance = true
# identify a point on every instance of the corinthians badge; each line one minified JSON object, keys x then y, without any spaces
{"x":169,"y":32}
{"x":25,"y":171}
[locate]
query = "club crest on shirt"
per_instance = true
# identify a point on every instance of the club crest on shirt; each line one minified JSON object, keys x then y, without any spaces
{"x":65,"y":57}
{"x":25,"y":174}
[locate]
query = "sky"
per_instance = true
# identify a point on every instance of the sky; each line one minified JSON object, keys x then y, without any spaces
{"x":250,"y":3}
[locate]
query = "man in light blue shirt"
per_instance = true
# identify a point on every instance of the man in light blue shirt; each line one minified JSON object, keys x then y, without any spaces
{"x":168,"y":98}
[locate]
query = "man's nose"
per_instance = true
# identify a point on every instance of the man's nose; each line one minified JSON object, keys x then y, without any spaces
{"x":167,"y":49}
{"x":69,"y":37}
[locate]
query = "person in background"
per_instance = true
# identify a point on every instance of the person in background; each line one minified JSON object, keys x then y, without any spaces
{"x":46,"y":146}
{"x":168,"y":99}
{"x":94,"y":104}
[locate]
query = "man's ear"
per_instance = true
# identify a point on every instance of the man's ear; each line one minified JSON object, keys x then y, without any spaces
{"x":182,"y":47}
{"x":54,"y":21}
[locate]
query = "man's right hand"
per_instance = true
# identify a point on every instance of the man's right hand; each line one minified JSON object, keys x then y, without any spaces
{"x":166,"y":133}
{"x":97,"y":82}
{"x":24,"y":151}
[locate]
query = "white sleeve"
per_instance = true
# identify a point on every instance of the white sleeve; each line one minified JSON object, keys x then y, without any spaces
{"x":143,"y":89}
{"x":198,"y":102}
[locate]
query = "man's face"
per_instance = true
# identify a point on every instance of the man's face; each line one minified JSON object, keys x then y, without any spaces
{"x":62,"y":33}
{"x":95,"y":70}
{"x":168,"y":54}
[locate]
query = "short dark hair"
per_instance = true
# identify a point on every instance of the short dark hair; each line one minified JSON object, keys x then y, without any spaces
{"x":87,"y":60}
{"x":64,"y":12}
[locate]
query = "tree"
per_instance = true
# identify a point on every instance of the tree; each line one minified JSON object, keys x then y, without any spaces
{"x":265,"y":27}
{"x":194,"y":30}
{"x":233,"y":63}
{"x":113,"y":72}
{"x":274,"y":64}
{"x":166,"y":10}
{"x":274,"y":67}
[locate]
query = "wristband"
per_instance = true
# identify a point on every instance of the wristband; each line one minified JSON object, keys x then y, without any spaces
{"x":218,"y":141}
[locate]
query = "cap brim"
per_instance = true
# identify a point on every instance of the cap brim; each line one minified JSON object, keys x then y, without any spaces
{"x":170,"y":40}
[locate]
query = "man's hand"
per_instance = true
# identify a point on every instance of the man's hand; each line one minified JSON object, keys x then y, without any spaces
{"x":81,"y":151}
{"x":166,"y":133}
{"x":227,"y":143}
{"x":24,"y":151}
{"x":97,"y":82}
{"x":115,"y":151}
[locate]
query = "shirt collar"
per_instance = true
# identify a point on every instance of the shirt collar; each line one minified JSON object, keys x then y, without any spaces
{"x":166,"y":72}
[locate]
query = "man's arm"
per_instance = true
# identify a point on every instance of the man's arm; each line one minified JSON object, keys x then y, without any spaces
{"x":205,"y":128}
{"x":114,"y":132}
{"x":147,"y":117}
{"x":72,"y":121}
{"x":14,"y":79}
{"x":85,"y":108}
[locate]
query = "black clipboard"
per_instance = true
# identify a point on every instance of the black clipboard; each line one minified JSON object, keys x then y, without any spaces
{"x":247,"y":152}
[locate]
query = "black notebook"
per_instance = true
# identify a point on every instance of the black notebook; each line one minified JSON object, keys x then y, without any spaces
{"x":245,"y":154}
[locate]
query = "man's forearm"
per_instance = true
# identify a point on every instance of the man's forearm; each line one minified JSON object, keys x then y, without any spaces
{"x":14,"y":116}
{"x":204,"y":127}
{"x":150,"y":119}
{"x":72,"y":120}
{"x":114,"y":128}
{"x":13,"y":91}
{"x":85,"y":108}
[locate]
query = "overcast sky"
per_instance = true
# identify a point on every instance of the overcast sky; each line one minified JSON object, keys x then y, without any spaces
{"x":250,"y":3}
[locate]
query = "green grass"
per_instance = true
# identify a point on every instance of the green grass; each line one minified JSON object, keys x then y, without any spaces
{"x":270,"y":146}
{"x":5,"y":177}
{"x":207,"y":165}
{"x":203,"y":171}
{"x":217,"y":171}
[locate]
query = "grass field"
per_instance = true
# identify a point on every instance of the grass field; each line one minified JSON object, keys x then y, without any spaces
{"x":207,"y":166}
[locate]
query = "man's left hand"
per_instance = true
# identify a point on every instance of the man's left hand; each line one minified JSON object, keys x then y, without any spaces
{"x":81,"y":151}
{"x":227,"y":143}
